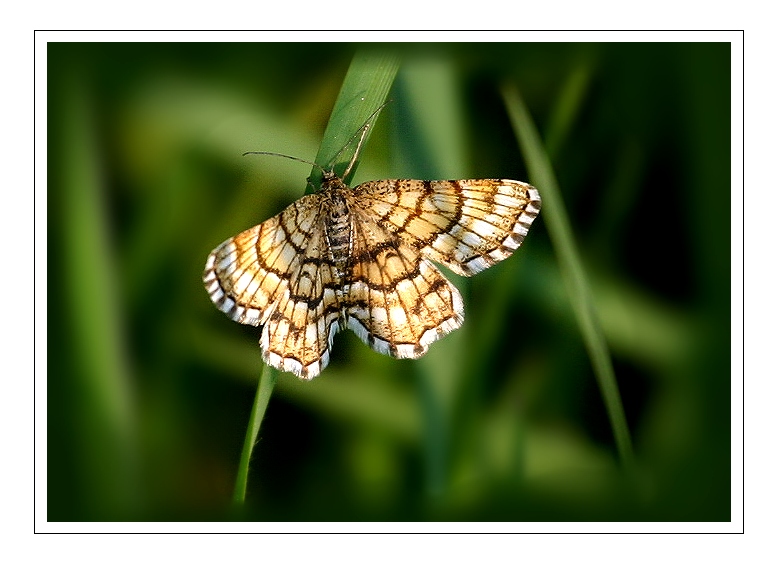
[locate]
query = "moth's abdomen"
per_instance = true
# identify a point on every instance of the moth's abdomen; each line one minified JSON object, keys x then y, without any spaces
{"x":339,"y":231}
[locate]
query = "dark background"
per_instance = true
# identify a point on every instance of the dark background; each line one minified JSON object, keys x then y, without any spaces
{"x":150,"y":387}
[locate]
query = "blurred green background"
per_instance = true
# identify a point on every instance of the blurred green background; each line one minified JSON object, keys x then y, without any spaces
{"x":150,"y":387}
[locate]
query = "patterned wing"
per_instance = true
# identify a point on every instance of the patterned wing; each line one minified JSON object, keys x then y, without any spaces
{"x":396,"y":301}
{"x":273,"y":275}
{"x":467,"y":225}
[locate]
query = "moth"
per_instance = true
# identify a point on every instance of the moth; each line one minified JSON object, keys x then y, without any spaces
{"x":362,"y":259}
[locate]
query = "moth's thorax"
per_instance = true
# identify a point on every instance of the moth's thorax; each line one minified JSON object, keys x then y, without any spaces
{"x":338,"y":224}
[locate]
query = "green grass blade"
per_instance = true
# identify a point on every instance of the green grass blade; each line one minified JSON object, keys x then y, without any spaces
{"x":570,"y":263}
{"x":567,"y":107}
{"x":267,"y":381}
{"x":364,"y":89}
{"x":100,"y":390}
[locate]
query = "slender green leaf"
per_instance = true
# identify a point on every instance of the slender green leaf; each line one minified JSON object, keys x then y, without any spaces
{"x":105,"y":414}
{"x":267,"y":381}
{"x":364,"y":90}
{"x":570,"y":263}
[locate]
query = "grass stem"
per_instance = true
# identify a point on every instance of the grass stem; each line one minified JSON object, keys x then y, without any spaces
{"x":364,"y":90}
{"x":570,"y":263}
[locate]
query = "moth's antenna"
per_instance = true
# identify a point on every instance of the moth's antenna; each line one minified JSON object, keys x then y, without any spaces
{"x":328,"y":173}
{"x":324,"y":172}
{"x":363,"y":131}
